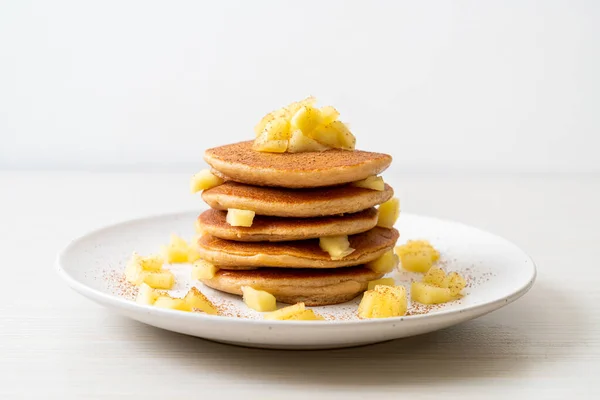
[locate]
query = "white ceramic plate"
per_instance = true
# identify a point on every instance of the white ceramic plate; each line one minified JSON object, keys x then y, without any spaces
{"x":497,"y":273}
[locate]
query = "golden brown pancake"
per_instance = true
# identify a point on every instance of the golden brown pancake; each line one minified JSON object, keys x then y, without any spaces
{"x":313,"y":287}
{"x":228,"y":254}
{"x":276,"y":229}
{"x":295,"y":170}
{"x":302,"y":203}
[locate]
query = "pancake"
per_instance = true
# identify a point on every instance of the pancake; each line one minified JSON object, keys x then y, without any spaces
{"x":313,"y":287}
{"x":228,"y":254}
{"x":294,"y":170}
{"x":275,"y":229}
{"x":302,"y":203}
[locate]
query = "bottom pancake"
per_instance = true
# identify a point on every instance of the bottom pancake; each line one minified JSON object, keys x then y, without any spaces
{"x":312,"y":287}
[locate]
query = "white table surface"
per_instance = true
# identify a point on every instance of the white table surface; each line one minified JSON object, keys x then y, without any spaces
{"x":56,"y":344}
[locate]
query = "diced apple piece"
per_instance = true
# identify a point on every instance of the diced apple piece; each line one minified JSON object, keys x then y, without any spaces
{"x":426,"y":246}
{"x":260,"y":127}
{"x":383,"y":302}
{"x":428,"y":294}
{"x":259,"y":300}
{"x":237,"y":217}
{"x":345,"y":138}
{"x":264,"y":144}
{"x":306,"y":315}
{"x":455,"y":282}
{"x":300,"y":143}
{"x":338,"y":247}
{"x":204,"y":180}
{"x":389,"y":213}
{"x":203,"y":270}
{"x":134,"y":273}
{"x":196,"y":299}
{"x":146,"y":295}
{"x":160,"y":280}
{"x":437,"y":287}
{"x":327,"y":135}
{"x":169,"y":302}
{"x":417,"y":255}
{"x":151,"y":263}
{"x":176,"y":251}
{"x":399,"y":291}
{"x":372,"y":182}
{"x":335,"y":134}
{"x":306,"y":119}
{"x":436,"y":277}
{"x":397,"y":297}
{"x":282,"y":113}
{"x":277,"y":129}
{"x":384,"y":264}
{"x":285,"y":312}
{"x":382,"y":282}
{"x":416,"y":261}
{"x":329,"y":114}
{"x":369,"y":304}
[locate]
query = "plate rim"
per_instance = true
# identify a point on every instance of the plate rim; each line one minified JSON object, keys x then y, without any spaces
{"x":121,"y":303}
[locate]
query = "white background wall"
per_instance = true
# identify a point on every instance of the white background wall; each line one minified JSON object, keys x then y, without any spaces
{"x":486,"y":85}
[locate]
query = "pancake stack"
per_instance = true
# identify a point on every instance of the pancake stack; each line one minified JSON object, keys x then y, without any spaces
{"x":298,"y":198}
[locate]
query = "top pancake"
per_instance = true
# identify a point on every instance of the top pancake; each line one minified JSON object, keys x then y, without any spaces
{"x":294,"y":170}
